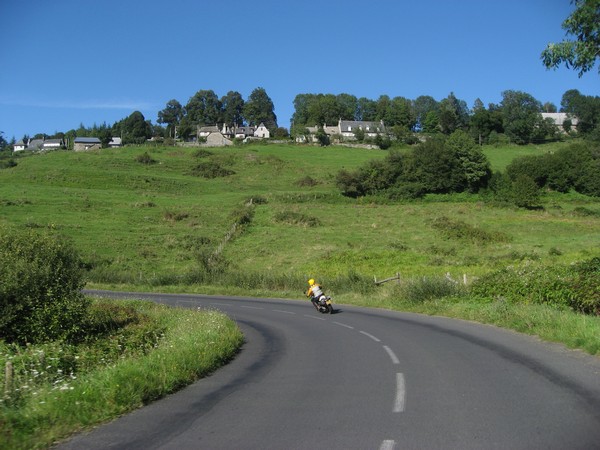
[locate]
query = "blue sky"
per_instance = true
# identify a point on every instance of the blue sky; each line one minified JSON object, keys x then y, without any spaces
{"x":71,"y":62}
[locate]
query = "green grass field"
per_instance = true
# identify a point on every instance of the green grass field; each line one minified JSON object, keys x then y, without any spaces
{"x":135,"y":222}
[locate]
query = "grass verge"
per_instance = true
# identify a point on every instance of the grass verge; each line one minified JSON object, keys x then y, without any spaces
{"x":194,"y":344}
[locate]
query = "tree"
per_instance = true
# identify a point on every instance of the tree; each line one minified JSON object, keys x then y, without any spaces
{"x":259,"y":109}
{"x":520,"y":114}
{"x":204,"y":108}
{"x":171,"y":115}
{"x":585,"y":108}
{"x":580,"y":54}
{"x":324,"y":109}
{"x":422,"y":106}
{"x":348,"y":104}
{"x":480,"y":122}
{"x":134,"y":129}
{"x":431,"y":122}
{"x":434,"y":166}
{"x":453,"y":114}
{"x":473,"y":163}
{"x":366,"y":109}
{"x":233,"y":109}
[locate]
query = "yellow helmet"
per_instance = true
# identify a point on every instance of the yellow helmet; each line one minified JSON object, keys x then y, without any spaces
{"x":311,"y":282}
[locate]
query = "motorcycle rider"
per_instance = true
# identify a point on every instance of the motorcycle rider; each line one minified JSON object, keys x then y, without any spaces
{"x":314,"y":292}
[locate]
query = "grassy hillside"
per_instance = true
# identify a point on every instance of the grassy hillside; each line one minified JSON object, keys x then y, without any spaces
{"x":135,"y":222}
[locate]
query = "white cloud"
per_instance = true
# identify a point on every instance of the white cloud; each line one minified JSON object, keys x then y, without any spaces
{"x":80,"y":104}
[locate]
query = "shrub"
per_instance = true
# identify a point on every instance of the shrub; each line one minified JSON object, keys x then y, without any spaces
{"x":145,"y":158}
{"x":211,"y":170}
{"x":307,"y":181}
{"x":428,"y":288}
{"x":575,"y":286}
{"x":7,"y":163}
{"x":294,"y":218}
{"x":525,"y":192}
{"x":202,"y":153}
{"x":457,"y":229}
{"x":407,"y":191}
{"x":40,"y":293}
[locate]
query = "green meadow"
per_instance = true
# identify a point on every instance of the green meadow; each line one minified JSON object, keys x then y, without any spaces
{"x":146,"y":222}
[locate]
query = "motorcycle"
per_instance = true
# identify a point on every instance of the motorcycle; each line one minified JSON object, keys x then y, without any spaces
{"x":323,"y":304}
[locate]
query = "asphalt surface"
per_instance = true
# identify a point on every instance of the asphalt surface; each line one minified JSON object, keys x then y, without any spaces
{"x":368,"y":379}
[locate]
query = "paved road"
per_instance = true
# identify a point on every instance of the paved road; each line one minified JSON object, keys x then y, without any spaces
{"x":369,"y":379}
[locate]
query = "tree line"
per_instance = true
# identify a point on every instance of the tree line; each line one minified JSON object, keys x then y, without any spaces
{"x":517,"y":117}
{"x":180,"y":121}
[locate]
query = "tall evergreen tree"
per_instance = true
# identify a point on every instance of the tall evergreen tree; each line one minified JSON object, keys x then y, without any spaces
{"x":259,"y":109}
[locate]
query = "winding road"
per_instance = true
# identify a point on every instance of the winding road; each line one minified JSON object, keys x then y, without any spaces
{"x":368,"y":379}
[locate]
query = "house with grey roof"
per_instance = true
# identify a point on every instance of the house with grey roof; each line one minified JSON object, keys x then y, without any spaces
{"x":346,"y":129}
{"x":19,"y":146}
{"x":53,"y":144}
{"x":560,"y":118}
{"x":86,"y":143}
{"x":115,"y":142}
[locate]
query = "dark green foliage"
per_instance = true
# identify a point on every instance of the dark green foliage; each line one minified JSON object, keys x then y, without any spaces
{"x":428,"y":288}
{"x":40,"y":293}
{"x":7,"y":163}
{"x":585,"y":212}
{"x":434,"y":166}
{"x":202,"y":153}
{"x":457,"y":229}
{"x":322,"y":137}
{"x":525,"y":193}
{"x":135,"y":129}
{"x":211,"y":169}
{"x":575,"y":167}
{"x":307,"y":181}
{"x":383,"y":142}
{"x":294,"y":218}
{"x":243,"y":215}
{"x":145,"y":158}
{"x":531,"y":166}
{"x":575,"y":286}
{"x":406,"y":191}
{"x":589,"y":181}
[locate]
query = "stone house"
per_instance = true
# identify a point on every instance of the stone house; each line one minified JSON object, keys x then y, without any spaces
{"x":560,"y":118}
{"x":86,"y":143}
{"x":115,"y":142}
{"x":246,"y":131}
{"x":346,"y":129}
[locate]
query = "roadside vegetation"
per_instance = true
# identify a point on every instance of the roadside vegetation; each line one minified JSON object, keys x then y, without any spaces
{"x":70,"y":362}
{"x":504,"y":239}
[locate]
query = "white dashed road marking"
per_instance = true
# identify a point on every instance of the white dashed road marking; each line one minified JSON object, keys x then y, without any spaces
{"x":387,"y":445}
{"x":400,"y":394}
{"x":371,"y":336}
{"x":393,"y":356}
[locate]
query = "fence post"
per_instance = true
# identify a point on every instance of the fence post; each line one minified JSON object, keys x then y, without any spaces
{"x":8,"y":377}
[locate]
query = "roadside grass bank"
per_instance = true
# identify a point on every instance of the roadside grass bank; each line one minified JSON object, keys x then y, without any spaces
{"x":557,"y":303}
{"x":54,"y":390}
